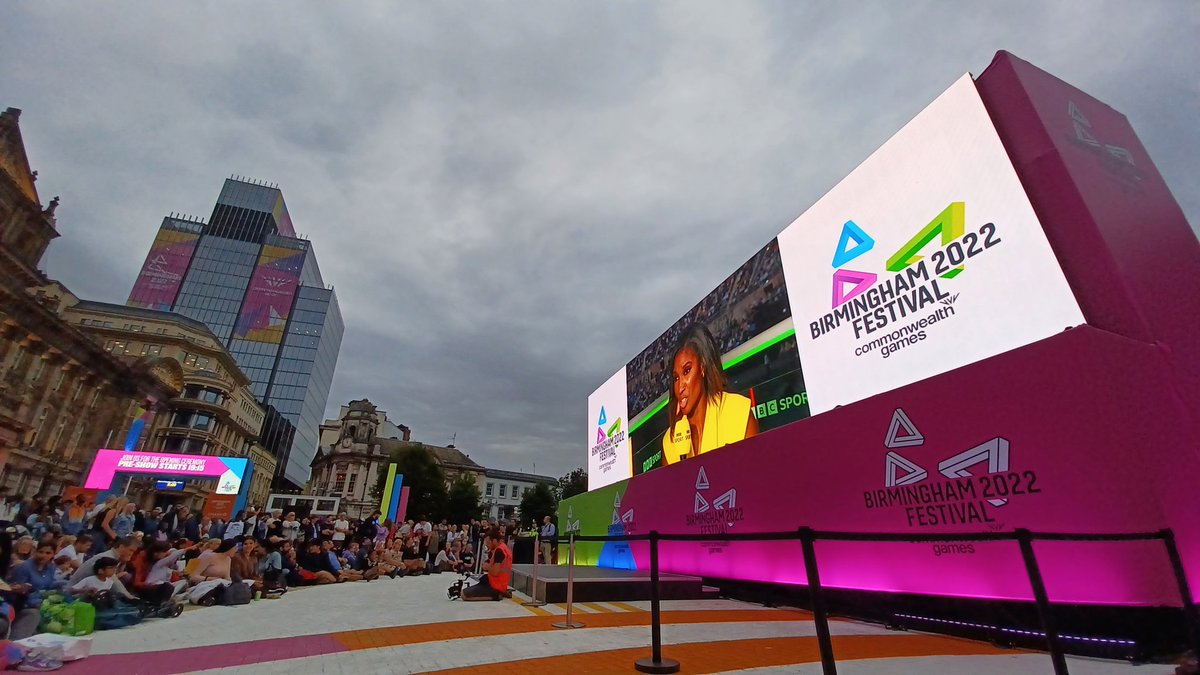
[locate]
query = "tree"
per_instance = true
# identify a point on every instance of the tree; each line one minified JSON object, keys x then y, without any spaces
{"x":462,"y":503}
{"x":574,"y":483}
{"x":422,"y":476}
{"x":537,"y":504}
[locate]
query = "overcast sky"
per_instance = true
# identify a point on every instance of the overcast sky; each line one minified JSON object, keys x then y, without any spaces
{"x":504,"y":194}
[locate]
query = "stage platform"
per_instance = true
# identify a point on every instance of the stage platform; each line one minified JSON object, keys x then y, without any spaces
{"x":602,"y":584}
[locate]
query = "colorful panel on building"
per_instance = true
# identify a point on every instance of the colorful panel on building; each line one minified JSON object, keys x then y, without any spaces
{"x":162,"y":274}
{"x":269,"y":299}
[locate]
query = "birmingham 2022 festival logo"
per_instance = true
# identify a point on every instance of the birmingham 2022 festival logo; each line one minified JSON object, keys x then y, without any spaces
{"x":881,"y":308}
{"x":960,"y":496}
{"x":608,"y":438}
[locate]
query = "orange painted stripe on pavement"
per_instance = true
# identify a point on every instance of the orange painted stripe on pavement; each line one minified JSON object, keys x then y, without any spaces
{"x":374,"y":638}
{"x":716,"y":657}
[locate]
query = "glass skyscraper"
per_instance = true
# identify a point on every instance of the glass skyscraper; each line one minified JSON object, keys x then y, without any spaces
{"x":257,"y":286}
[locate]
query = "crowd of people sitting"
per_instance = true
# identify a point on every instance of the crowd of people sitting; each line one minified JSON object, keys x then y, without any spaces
{"x":158,"y":557}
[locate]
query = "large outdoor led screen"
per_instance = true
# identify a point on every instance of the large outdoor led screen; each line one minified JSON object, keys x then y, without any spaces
{"x":927,"y":257}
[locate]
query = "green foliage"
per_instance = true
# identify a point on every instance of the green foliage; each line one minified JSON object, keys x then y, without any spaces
{"x":422,"y":476}
{"x":538,"y":503}
{"x":462,"y":503}
{"x":574,"y":483}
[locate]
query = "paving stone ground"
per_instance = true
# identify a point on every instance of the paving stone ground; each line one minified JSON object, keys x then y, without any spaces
{"x":409,"y":626}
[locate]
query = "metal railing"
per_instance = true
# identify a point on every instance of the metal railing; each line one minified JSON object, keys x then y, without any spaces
{"x":808,"y":538}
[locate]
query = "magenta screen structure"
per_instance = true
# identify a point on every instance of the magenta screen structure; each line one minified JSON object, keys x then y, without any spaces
{"x":1092,"y":430}
{"x":108,"y":463}
{"x":268,"y":301}
{"x":162,"y":273}
{"x":1005,"y":443}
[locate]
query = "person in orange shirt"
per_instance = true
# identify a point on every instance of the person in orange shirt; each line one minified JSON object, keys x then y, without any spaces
{"x":498,"y":569}
{"x":701,"y":415}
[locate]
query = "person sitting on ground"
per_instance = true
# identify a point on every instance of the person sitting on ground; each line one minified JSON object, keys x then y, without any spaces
{"x":76,"y":549}
{"x":102,"y":580}
{"x":376,"y":560}
{"x":215,"y":565}
{"x":446,"y":560}
{"x":414,"y":557}
{"x":353,"y":556}
{"x":341,"y":571}
{"x":22,"y":550}
{"x":270,"y":569}
{"x":497,"y":571}
{"x":394,"y":558}
{"x":244,"y":564}
{"x":35,"y":576}
{"x":152,"y":573}
{"x":315,"y":563}
{"x":122,"y":551}
{"x":193,"y":556}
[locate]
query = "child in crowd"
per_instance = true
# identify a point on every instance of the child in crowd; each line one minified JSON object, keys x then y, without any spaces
{"x":104,"y":580}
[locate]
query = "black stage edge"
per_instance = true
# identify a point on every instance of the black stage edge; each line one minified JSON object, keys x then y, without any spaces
{"x":1137,"y":634}
{"x":601,"y":584}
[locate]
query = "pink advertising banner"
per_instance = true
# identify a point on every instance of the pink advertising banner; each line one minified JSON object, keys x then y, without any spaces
{"x":269,"y":298}
{"x":1039,"y":438}
{"x":162,"y":273}
{"x":108,"y":463}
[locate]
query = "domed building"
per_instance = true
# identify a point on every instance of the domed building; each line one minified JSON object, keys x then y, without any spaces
{"x":354,"y":452}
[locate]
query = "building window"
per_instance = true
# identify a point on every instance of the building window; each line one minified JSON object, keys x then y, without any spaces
{"x":503,"y":490}
{"x":488,"y":490}
{"x":62,"y":375}
{"x":117,"y":347}
{"x":350,"y":487}
{"x":37,"y":370}
{"x":151,"y":350}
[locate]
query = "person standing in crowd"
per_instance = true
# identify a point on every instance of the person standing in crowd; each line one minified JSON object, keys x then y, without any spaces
{"x":75,"y":515}
{"x":341,"y":528}
{"x":176,"y":521}
{"x":383,"y":532}
{"x":548,"y":534}
{"x":236,"y":527}
{"x":122,"y":524}
{"x":204,"y":528}
{"x":368,"y":527}
{"x":291,"y":527}
{"x":150,"y":522}
{"x":10,"y":506}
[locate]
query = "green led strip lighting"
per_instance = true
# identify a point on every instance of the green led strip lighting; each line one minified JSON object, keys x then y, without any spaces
{"x":725,"y":366}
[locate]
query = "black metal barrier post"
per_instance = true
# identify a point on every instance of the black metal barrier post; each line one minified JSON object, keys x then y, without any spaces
{"x":1185,"y":592}
{"x":808,"y":539}
{"x":1040,"y":597}
{"x":656,"y":663}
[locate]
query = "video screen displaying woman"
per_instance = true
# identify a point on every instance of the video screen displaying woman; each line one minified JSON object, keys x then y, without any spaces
{"x":702,"y":416}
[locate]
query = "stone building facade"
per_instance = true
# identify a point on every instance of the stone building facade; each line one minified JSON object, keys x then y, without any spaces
{"x":61,"y":395}
{"x":355,"y":449}
{"x":501,"y":491}
{"x":215,"y":412}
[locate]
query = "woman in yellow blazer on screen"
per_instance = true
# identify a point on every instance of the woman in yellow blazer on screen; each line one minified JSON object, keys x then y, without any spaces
{"x":701,"y":415}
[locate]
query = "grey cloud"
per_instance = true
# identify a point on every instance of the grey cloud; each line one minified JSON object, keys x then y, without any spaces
{"x":513,"y":200}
